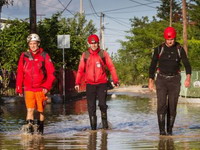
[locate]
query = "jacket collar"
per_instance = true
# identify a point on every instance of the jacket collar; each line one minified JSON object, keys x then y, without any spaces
{"x":39,"y":51}
{"x":94,"y":52}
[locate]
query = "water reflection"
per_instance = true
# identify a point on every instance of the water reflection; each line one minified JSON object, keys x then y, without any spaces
{"x":166,"y":143}
{"x":93,"y":141}
{"x":133,"y":121}
{"x":32,"y":142}
{"x":104,"y":137}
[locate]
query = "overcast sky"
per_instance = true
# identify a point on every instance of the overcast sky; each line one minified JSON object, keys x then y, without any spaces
{"x":117,"y":14}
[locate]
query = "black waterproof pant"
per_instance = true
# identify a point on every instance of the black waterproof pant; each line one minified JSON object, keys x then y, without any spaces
{"x":168,"y":89}
{"x":94,"y":92}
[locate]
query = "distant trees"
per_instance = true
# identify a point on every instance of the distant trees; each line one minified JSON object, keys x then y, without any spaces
{"x":133,"y":59}
{"x":163,"y":11}
{"x":5,"y":2}
{"x":13,"y":41}
{"x":77,"y":27}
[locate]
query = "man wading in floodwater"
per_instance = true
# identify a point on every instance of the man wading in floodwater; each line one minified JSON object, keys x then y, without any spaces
{"x":93,"y":63}
{"x":167,"y":58}
{"x":35,"y":75}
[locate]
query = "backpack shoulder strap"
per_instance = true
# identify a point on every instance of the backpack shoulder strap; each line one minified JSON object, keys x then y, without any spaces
{"x":87,"y":54}
{"x":160,"y":50}
{"x":179,"y":47}
{"x":101,"y":54}
{"x":43,"y":54}
{"x":28,"y":55}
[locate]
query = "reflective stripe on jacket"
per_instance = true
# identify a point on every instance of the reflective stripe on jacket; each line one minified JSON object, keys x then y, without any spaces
{"x":94,"y":68}
{"x":34,"y":74}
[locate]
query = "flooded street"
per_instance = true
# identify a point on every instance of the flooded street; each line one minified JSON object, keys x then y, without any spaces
{"x":133,"y":123}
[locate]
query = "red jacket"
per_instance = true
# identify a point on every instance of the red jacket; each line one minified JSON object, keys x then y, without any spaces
{"x":94,"y":68}
{"x":30,"y":73}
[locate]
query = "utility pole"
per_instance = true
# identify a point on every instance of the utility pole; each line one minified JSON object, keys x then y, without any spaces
{"x":32,"y":14}
{"x":170,"y":14}
{"x":81,"y":7}
{"x":185,"y":43}
{"x":102,"y":43}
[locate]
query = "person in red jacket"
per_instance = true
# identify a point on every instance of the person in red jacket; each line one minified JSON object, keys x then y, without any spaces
{"x":35,"y":76}
{"x":93,"y":64}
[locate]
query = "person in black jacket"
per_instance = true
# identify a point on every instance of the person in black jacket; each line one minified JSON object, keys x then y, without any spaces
{"x":166,"y":63}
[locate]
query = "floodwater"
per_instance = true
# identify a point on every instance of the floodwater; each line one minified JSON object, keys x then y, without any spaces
{"x":132,"y":120}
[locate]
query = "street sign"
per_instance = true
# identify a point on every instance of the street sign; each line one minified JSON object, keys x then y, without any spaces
{"x":63,"y":41}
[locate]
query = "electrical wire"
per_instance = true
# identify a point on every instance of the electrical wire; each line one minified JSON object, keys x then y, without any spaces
{"x":65,"y":7}
{"x":117,"y":21}
{"x":92,"y":7}
{"x":117,"y":9}
{"x":143,"y":4}
{"x":49,"y":6}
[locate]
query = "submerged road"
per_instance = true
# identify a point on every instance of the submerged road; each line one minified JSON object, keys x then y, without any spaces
{"x":132,"y":120}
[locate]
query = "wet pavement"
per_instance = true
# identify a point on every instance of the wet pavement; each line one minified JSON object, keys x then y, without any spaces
{"x":132,"y":120}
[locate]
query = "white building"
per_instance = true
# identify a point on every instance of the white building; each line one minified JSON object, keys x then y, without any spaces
{"x":2,"y":23}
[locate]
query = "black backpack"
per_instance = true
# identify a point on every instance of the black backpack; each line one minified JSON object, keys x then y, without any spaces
{"x":161,"y":50}
{"x":30,"y":57}
{"x":100,"y":53}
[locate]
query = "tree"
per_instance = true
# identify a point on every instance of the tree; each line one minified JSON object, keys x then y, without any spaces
{"x":163,"y":11}
{"x":77,"y":27}
{"x":12,"y":43}
{"x":135,"y":55}
{"x":194,"y":9}
{"x":5,"y":2}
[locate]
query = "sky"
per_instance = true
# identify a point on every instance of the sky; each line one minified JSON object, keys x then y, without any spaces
{"x":116,"y":20}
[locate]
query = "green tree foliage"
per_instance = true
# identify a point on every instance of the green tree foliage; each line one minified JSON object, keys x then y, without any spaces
{"x":194,"y":50}
{"x":163,"y":11}
{"x":194,"y":9}
{"x":12,"y":43}
{"x":77,"y":27}
{"x":134,"y":58}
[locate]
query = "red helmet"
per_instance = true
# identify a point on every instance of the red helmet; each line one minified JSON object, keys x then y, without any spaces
{"x":169,"y":33}
{"x":93,"y":39}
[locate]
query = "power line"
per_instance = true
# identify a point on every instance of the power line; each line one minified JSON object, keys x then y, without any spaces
{"x":52,"y":7}
{"x":119,"y":22}
{"x":142,"y":3}
{"x":113,"y":29}
{"x":93,"y":8}
{"x":152,"y":1}
{"x":126,"y":12}
{"x":108,"y":35}
{"x":65,"y":7}
{"x":117,"y":9}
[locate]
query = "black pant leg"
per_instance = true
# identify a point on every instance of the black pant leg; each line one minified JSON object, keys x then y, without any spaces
{"x":91,"y":99}
{"x":162,"y":95}
{"x":102,"y":94}
{"x":173,"y":94}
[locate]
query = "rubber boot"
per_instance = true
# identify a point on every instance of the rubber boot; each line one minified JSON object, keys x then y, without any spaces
{"x":170,"y":124}
{"x":40,"y":127}
{"x":161,"y":124}
{"x":30,"y":128}
{"x":93,"y":122}
{"x":104,"y":120}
